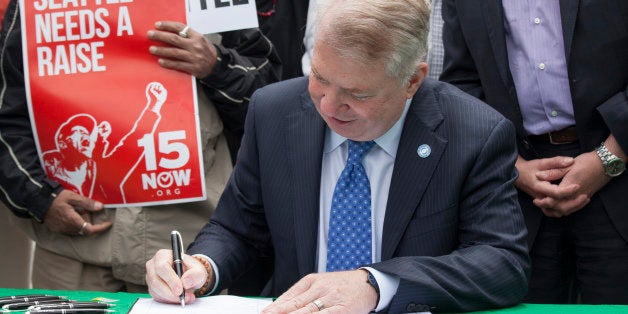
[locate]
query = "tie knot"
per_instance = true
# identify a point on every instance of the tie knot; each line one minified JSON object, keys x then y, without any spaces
{"x":357,"y":150}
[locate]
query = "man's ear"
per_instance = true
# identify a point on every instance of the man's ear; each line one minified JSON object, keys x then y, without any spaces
{"x":416,"y":79}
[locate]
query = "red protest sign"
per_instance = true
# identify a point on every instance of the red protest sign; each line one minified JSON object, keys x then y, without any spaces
{"x":110,"y":123}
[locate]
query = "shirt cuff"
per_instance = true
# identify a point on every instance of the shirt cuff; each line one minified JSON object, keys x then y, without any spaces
{"x":216,"y":272}
{"x":388,"y":285}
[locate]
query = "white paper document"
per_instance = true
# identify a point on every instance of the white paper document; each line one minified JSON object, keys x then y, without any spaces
{"x":218,"y":304}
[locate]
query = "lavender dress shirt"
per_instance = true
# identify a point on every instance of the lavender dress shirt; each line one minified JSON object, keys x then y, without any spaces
{"x":536,"y":56}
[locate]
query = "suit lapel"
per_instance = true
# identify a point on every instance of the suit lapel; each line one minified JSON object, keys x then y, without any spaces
{"x":305,"y":135}
{"x":493,"y":14}
{"x":411,"y":173}
{"x":568,"y":14}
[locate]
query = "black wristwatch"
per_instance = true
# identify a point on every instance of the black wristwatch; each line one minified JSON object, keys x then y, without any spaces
{"x":371,"y":281}
{"x":613,"y":165}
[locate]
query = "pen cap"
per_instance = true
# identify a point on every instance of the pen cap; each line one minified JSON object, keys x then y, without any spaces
{"x":177,"y":244}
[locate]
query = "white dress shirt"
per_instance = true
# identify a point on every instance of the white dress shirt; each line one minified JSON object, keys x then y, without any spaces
{"x":378,"y":163}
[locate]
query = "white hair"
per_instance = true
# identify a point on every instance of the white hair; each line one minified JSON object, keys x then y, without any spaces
{"x":373,"y":30}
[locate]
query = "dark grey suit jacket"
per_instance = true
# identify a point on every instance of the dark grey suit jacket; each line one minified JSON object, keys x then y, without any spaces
{"x":595,"y":36}
{"x":453,"y":230}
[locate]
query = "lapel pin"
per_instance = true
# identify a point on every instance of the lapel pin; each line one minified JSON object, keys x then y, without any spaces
{"x":424,"y":151}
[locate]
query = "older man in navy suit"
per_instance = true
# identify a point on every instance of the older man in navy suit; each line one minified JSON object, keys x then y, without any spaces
{"x":434,"y":222}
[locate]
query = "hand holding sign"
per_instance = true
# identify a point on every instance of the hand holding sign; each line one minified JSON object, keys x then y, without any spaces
{"x":69,"y":211}
{"x":193,"y":54}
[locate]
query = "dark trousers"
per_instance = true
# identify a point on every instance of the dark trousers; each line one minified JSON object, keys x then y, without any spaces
{"x":580,"y":257}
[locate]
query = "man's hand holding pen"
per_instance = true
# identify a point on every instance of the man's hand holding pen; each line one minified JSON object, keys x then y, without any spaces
{"x":163,"y":282}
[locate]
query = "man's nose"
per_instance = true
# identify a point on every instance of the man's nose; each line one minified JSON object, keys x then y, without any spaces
{"x":332,"y":103}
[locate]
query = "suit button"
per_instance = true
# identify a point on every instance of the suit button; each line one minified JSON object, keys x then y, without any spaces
{"x":411,"y":307}
{"x":422,"y":308}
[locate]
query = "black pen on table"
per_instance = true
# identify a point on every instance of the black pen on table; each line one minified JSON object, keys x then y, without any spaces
{"x":25,"y":305}
{"x":35,"y":297}
{"x":70,"y":311}
{"x":177,"y":253}
{"x":22,"y":296}
{"x":72,"y":305}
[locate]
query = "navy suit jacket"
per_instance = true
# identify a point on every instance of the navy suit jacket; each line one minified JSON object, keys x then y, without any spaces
{"x":453,"y":231}
{"x":595,"y":36}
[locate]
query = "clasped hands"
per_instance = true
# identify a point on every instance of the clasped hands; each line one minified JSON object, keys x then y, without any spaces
{"x":336,"y":292}
{"x":580,"y":178}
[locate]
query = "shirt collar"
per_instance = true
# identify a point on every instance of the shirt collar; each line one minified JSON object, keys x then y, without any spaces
{"x":389,"y":142}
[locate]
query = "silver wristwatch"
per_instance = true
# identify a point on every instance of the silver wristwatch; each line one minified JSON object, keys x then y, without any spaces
{"x":613,"y":165}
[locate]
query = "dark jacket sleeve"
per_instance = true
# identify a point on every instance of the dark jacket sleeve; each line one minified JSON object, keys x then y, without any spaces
{"x":24,"y":187}
{"x":247,"y":60}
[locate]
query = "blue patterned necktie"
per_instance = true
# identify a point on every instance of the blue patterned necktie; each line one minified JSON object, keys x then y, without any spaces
{"x":349,"y":238}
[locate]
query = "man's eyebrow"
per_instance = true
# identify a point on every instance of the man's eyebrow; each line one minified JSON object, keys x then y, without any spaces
{"x":322,"y":79}
{"x":317,"y":75}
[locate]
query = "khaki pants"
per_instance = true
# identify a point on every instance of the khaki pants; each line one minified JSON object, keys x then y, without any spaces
{"x":54,"y":271}
{"x":15,"y":264}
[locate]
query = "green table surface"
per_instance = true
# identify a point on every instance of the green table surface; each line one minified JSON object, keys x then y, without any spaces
{"x":124,"y":301}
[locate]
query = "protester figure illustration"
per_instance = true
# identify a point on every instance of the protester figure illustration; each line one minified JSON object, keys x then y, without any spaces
{"x":82,"y":151}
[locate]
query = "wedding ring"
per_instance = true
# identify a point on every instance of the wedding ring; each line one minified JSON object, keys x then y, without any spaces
{"x":82,"y":231}
{"x":184,"y":32}
{"x":319,"y":304}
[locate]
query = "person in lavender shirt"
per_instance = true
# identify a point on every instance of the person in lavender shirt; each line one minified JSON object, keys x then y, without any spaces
{"x":559,"y":71}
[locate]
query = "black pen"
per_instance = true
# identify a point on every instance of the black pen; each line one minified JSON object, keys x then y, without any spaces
{"x":72,"y":305}
{"x":70,"y":311}
{"x":30,"y":298}
{"x":177,"y":252}
{"x":13,"y":297}
{"x":25,"y":305}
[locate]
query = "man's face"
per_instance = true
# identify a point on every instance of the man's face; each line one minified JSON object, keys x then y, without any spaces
{"x":357,"y":101}
{"x":83,"y":140}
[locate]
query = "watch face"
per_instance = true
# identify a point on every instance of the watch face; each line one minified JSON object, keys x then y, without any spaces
{"x":615,"y":167}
